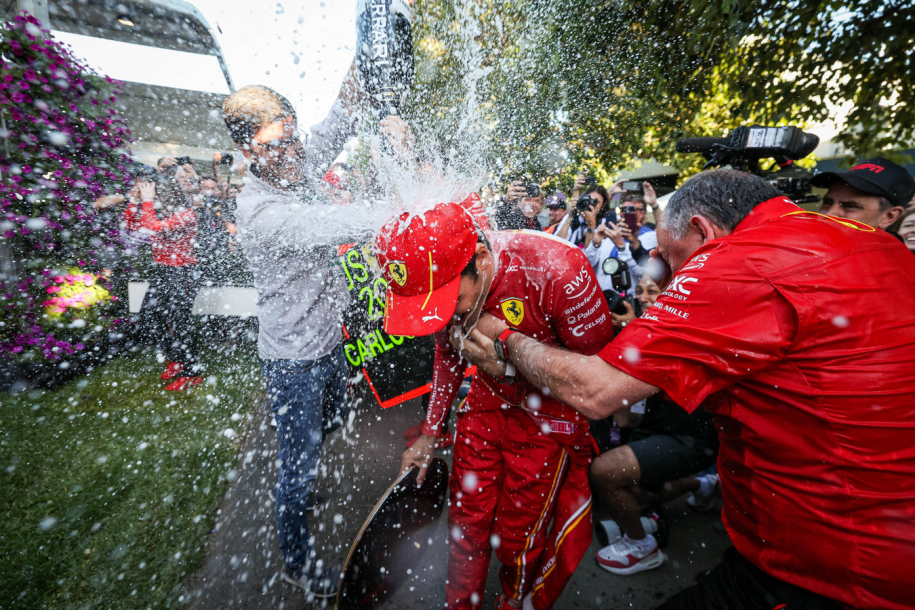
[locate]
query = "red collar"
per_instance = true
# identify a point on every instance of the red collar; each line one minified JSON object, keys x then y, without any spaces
{"x":772,"y":209}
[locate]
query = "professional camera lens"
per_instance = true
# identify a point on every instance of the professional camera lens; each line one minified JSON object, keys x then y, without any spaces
{"x":611,"y":265}
{"x":584,"y":203}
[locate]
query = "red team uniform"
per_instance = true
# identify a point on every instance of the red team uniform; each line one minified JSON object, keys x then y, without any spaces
{"x":521,"y":458}
{"x":777,"y":330}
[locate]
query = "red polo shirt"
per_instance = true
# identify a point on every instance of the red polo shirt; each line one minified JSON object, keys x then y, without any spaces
{"x":797,"y":333}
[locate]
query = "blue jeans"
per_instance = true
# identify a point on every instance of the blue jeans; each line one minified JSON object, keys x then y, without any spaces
{"x":307,"y":398}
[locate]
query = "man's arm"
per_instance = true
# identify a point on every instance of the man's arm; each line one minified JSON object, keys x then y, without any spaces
{"x":586,"y":383}
{"x":446,"y":379}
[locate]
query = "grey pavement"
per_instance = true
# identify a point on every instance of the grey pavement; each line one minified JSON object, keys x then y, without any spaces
{"x":243,"y":560}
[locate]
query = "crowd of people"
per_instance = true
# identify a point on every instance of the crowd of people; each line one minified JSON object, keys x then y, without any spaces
{"x":186,"y":222}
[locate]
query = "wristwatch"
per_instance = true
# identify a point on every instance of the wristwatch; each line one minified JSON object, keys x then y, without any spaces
{"x":499,"y":343}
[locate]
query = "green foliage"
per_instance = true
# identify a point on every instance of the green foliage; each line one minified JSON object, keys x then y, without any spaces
{"x":109,"y":485}
{"x":559,"y":86}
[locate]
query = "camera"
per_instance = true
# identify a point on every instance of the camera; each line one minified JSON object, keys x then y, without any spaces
{"x":745,"y":146}
{"x":531,"y":190}
{"x":584,"y":203}
{"x":590,"y":181}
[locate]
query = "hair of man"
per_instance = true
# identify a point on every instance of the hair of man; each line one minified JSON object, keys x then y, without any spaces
{"x":471,"y":268}
{"x":247,"y":110}
{"x":723,"y":196}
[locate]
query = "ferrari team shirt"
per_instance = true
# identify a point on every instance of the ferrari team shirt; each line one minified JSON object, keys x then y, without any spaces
{"x":796,"y":331}
{"x":545,"y":287}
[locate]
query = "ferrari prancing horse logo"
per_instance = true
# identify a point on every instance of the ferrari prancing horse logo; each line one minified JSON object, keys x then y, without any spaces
{"x":398,"y":272}
{"x":513,"y":310}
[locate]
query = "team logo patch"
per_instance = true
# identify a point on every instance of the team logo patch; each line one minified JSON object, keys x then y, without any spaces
{"x":398,"y":272}
{"x":513,"y":309}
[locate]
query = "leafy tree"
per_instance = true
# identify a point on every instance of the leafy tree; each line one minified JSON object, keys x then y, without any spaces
{"x":555,"y":86}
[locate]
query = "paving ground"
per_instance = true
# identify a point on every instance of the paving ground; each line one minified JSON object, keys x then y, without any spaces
{"x":243,"y":560}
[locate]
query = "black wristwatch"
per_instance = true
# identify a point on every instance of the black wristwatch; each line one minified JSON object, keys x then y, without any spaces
{"x":499,"y":343}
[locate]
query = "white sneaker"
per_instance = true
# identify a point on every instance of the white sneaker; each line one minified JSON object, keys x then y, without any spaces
{"x":609,"y":532}
{"x":700,"y":501}
{"x":628,"y":557}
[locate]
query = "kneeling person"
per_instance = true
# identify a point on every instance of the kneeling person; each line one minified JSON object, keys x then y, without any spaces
{"x":521,"y":458}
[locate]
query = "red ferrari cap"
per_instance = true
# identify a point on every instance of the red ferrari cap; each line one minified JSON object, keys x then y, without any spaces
{"x":421,"y":257}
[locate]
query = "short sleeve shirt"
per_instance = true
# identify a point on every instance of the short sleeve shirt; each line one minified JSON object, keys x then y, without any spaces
{"x":796,"y":332}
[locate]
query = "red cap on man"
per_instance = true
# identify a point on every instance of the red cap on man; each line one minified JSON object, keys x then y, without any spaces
{"x":421,"y":257}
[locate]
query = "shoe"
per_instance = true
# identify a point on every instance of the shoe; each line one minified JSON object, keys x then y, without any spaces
{"x":608,"y":532}
{"x":182,"y":383}
{"x":322,"y":584}
{"x":314,"y":501}
{"x":700,"y":501}
{"x":627,"y":557}
{"x":172,"y":370}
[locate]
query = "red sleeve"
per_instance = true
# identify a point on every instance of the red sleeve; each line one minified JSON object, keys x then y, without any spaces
{"x":474,"y":205}
{"x":718,"y":322}
{"x":132,"y":217}
{"x":448,"y":372}
{"x":578,"y":305}
{"x":175,"y":222}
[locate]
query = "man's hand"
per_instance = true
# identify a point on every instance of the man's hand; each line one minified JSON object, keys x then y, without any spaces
{"x":616,"y":188}
{"x":632,"y":238}
{"x":515,"y":192}
{"x":649,"y":196}
{"x":613,"y":232}
{"x":621,"y":320}
{"x":147,"y":190}
{"x":419,"y":454}
{"x":398,"y":133}
{"x":658,"y":270}
{"x":478,"y":350}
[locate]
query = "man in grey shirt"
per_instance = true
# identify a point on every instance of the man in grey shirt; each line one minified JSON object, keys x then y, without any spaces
{"x":290,"y":237}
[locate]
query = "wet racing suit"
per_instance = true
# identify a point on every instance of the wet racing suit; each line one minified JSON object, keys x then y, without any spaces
{"x":521,"y":458}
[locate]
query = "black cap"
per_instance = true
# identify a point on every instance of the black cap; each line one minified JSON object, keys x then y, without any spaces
{"x":877,"y":176}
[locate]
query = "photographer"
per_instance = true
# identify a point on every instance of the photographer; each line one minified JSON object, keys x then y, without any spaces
{"x":807,"y":375}
{"x":608,"y":243}
{"x":591,"y":209}
{"x":519,"y":208}
{"x":875,"y":192}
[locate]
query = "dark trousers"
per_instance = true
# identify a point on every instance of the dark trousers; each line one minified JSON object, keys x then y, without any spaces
{"x":737,"y":584}
{"x":166,"y":319}
{"x":308,"y":400}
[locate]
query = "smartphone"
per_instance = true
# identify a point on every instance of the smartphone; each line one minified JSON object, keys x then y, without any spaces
{"x":632,"y":221}
{"x":590,"y":181}
{"x":632,"y":186}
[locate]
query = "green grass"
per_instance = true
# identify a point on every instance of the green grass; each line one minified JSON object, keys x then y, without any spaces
{"x":109,"y":485}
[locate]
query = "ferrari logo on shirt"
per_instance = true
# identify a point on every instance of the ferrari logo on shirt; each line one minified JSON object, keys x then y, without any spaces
{"x":398,"y":272}
{"x":513,"y":309}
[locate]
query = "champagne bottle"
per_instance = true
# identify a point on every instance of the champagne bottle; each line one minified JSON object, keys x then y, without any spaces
{"x":384,"y":52}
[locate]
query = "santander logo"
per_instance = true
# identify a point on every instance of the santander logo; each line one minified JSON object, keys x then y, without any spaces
{"x":869,"y":167}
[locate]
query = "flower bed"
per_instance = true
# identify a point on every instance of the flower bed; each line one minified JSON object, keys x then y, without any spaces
{"x":60,"y":149}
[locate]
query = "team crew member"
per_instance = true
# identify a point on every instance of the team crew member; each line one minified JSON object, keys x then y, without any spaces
{"x":807,"y":373}
{"x":166,"y":314}
{"x":521,"y":458}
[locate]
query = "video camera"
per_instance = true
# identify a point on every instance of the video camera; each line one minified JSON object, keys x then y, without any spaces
{"x":745,"y":146}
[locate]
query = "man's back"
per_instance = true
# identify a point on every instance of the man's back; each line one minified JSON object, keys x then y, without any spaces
{"x":798,"y":330}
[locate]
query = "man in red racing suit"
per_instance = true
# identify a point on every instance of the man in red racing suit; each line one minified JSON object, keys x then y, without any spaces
{"x":521,"y":458}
